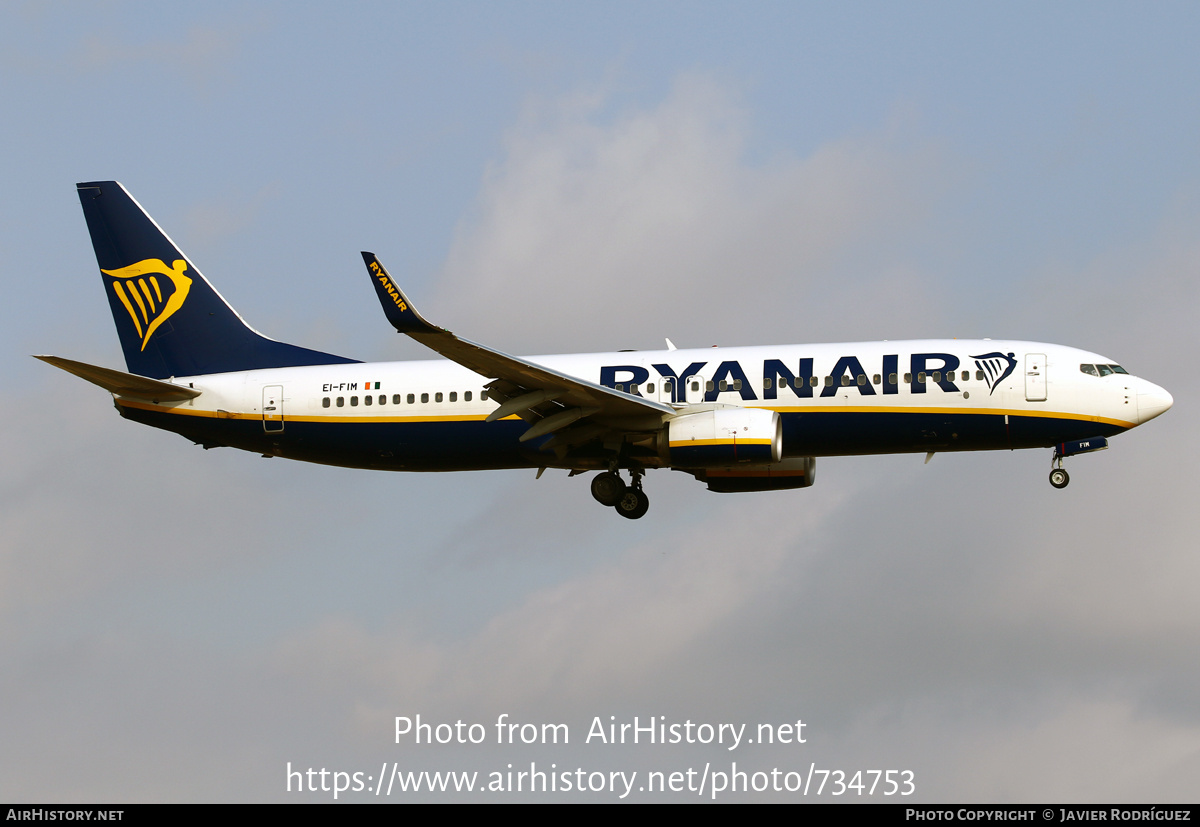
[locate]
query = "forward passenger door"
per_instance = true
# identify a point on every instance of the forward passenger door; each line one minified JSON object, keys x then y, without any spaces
{"x":1035,"y":377}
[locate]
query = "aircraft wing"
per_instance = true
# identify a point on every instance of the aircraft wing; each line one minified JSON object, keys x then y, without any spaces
{"x":552,"y":402}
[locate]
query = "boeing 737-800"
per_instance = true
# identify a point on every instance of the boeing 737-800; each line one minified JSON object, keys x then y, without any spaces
{"x":737,"y":419}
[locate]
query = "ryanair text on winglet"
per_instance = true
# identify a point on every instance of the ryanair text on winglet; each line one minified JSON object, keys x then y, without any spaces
{"x":388,"y":286}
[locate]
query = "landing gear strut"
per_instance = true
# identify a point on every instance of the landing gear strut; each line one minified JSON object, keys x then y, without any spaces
{"x":634,"y":503}
{"x":630,"y":501}
{"x":1058,"y":475}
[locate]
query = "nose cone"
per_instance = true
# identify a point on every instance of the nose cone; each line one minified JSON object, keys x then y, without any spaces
{"x":1152,"y":401}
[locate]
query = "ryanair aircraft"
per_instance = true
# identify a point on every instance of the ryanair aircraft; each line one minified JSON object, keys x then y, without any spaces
{"x":737,"y":419}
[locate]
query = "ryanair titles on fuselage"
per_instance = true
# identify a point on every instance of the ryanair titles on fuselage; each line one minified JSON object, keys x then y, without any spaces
{"x":921,"y":369}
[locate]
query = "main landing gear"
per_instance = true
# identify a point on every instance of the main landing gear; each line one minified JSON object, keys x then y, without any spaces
{"x":630,"y":501}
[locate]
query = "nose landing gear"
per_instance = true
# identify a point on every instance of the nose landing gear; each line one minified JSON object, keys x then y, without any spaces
{"x":1058,"y":475}
{"x":630,"y":501}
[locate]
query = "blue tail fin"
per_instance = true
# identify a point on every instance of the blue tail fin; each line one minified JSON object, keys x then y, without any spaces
{"x":170,"y":319}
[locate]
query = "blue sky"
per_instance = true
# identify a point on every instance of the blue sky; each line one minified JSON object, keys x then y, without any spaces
{"x":177,"y":625}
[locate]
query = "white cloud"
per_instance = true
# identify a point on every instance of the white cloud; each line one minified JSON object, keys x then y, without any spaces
{"x":959,"y":617}
{"x":605,"y":232}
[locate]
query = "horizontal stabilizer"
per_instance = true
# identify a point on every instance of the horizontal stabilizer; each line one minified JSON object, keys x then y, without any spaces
{"x":121,"y":383}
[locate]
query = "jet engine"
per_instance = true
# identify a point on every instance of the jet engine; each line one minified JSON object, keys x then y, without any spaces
{"x":729,"y":436}
{"x":793,"y":472}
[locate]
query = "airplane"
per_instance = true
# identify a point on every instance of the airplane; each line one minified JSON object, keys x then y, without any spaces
{"x":738,"y":419}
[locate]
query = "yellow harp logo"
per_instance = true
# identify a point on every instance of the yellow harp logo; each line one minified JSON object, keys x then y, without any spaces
{"x":138,"y":288}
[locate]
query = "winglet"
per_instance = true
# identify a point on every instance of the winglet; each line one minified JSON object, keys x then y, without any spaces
{"x":396,"y":306}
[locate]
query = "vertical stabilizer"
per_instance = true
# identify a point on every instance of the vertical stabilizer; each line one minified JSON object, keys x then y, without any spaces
{"x":170,"y":319}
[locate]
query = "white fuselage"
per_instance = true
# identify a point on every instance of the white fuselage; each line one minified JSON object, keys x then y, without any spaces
{"x":849,"y":398}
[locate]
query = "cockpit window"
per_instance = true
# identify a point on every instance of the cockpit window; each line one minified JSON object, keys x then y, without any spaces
{"x":1102,"y":370}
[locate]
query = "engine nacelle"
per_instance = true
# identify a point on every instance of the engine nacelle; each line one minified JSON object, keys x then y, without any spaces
{"x":725,"y":436}
{"x":793,"y":472}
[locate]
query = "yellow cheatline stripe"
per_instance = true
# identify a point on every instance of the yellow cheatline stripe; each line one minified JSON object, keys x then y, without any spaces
{"x":182,"y":410}
{"x":683,"y":442}
{"x":188,"y":411}
{"x":447,"y":418}
{"x":1120,"y":423}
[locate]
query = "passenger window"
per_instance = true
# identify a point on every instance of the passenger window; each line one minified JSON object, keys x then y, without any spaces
{"x":453,"y":396}
{"x":650,"y":388}
{"x":891,"y":378}
{"x":937,"y":376}
{"x":437,"y":397}
{"x":424,"y":398}
{"x":813,"y":381}
{"x":695,"y":386}
{"x":979,"y":375}
{"x":619,"y":387}
{"x":395,"y":399}
{"x":483,"y":396}
{"x":724,"y":385}
{"x":829,"y":381}
{"x":921,"y":378}
{"x":966,"y":374}
{"x":908,"y":378}
{"x":368,"y":400}
{"x":737,"y":384}
{"x":875,"y":379}
{"x":845,"y":379}
{"x":708,"y":386}
{"x":862,"y":379}
{"x":353,"y":401}
{"x":766,"y":383}
{"x":467,"y":396}
{"x":325,"y":402}
{"x":668,"y":386}
{"x":411,"y":399}
{"x":382,"y":399}
{"x":633,"y":388}
{"x":1089,"y":369}
{"x":341,"y":401}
